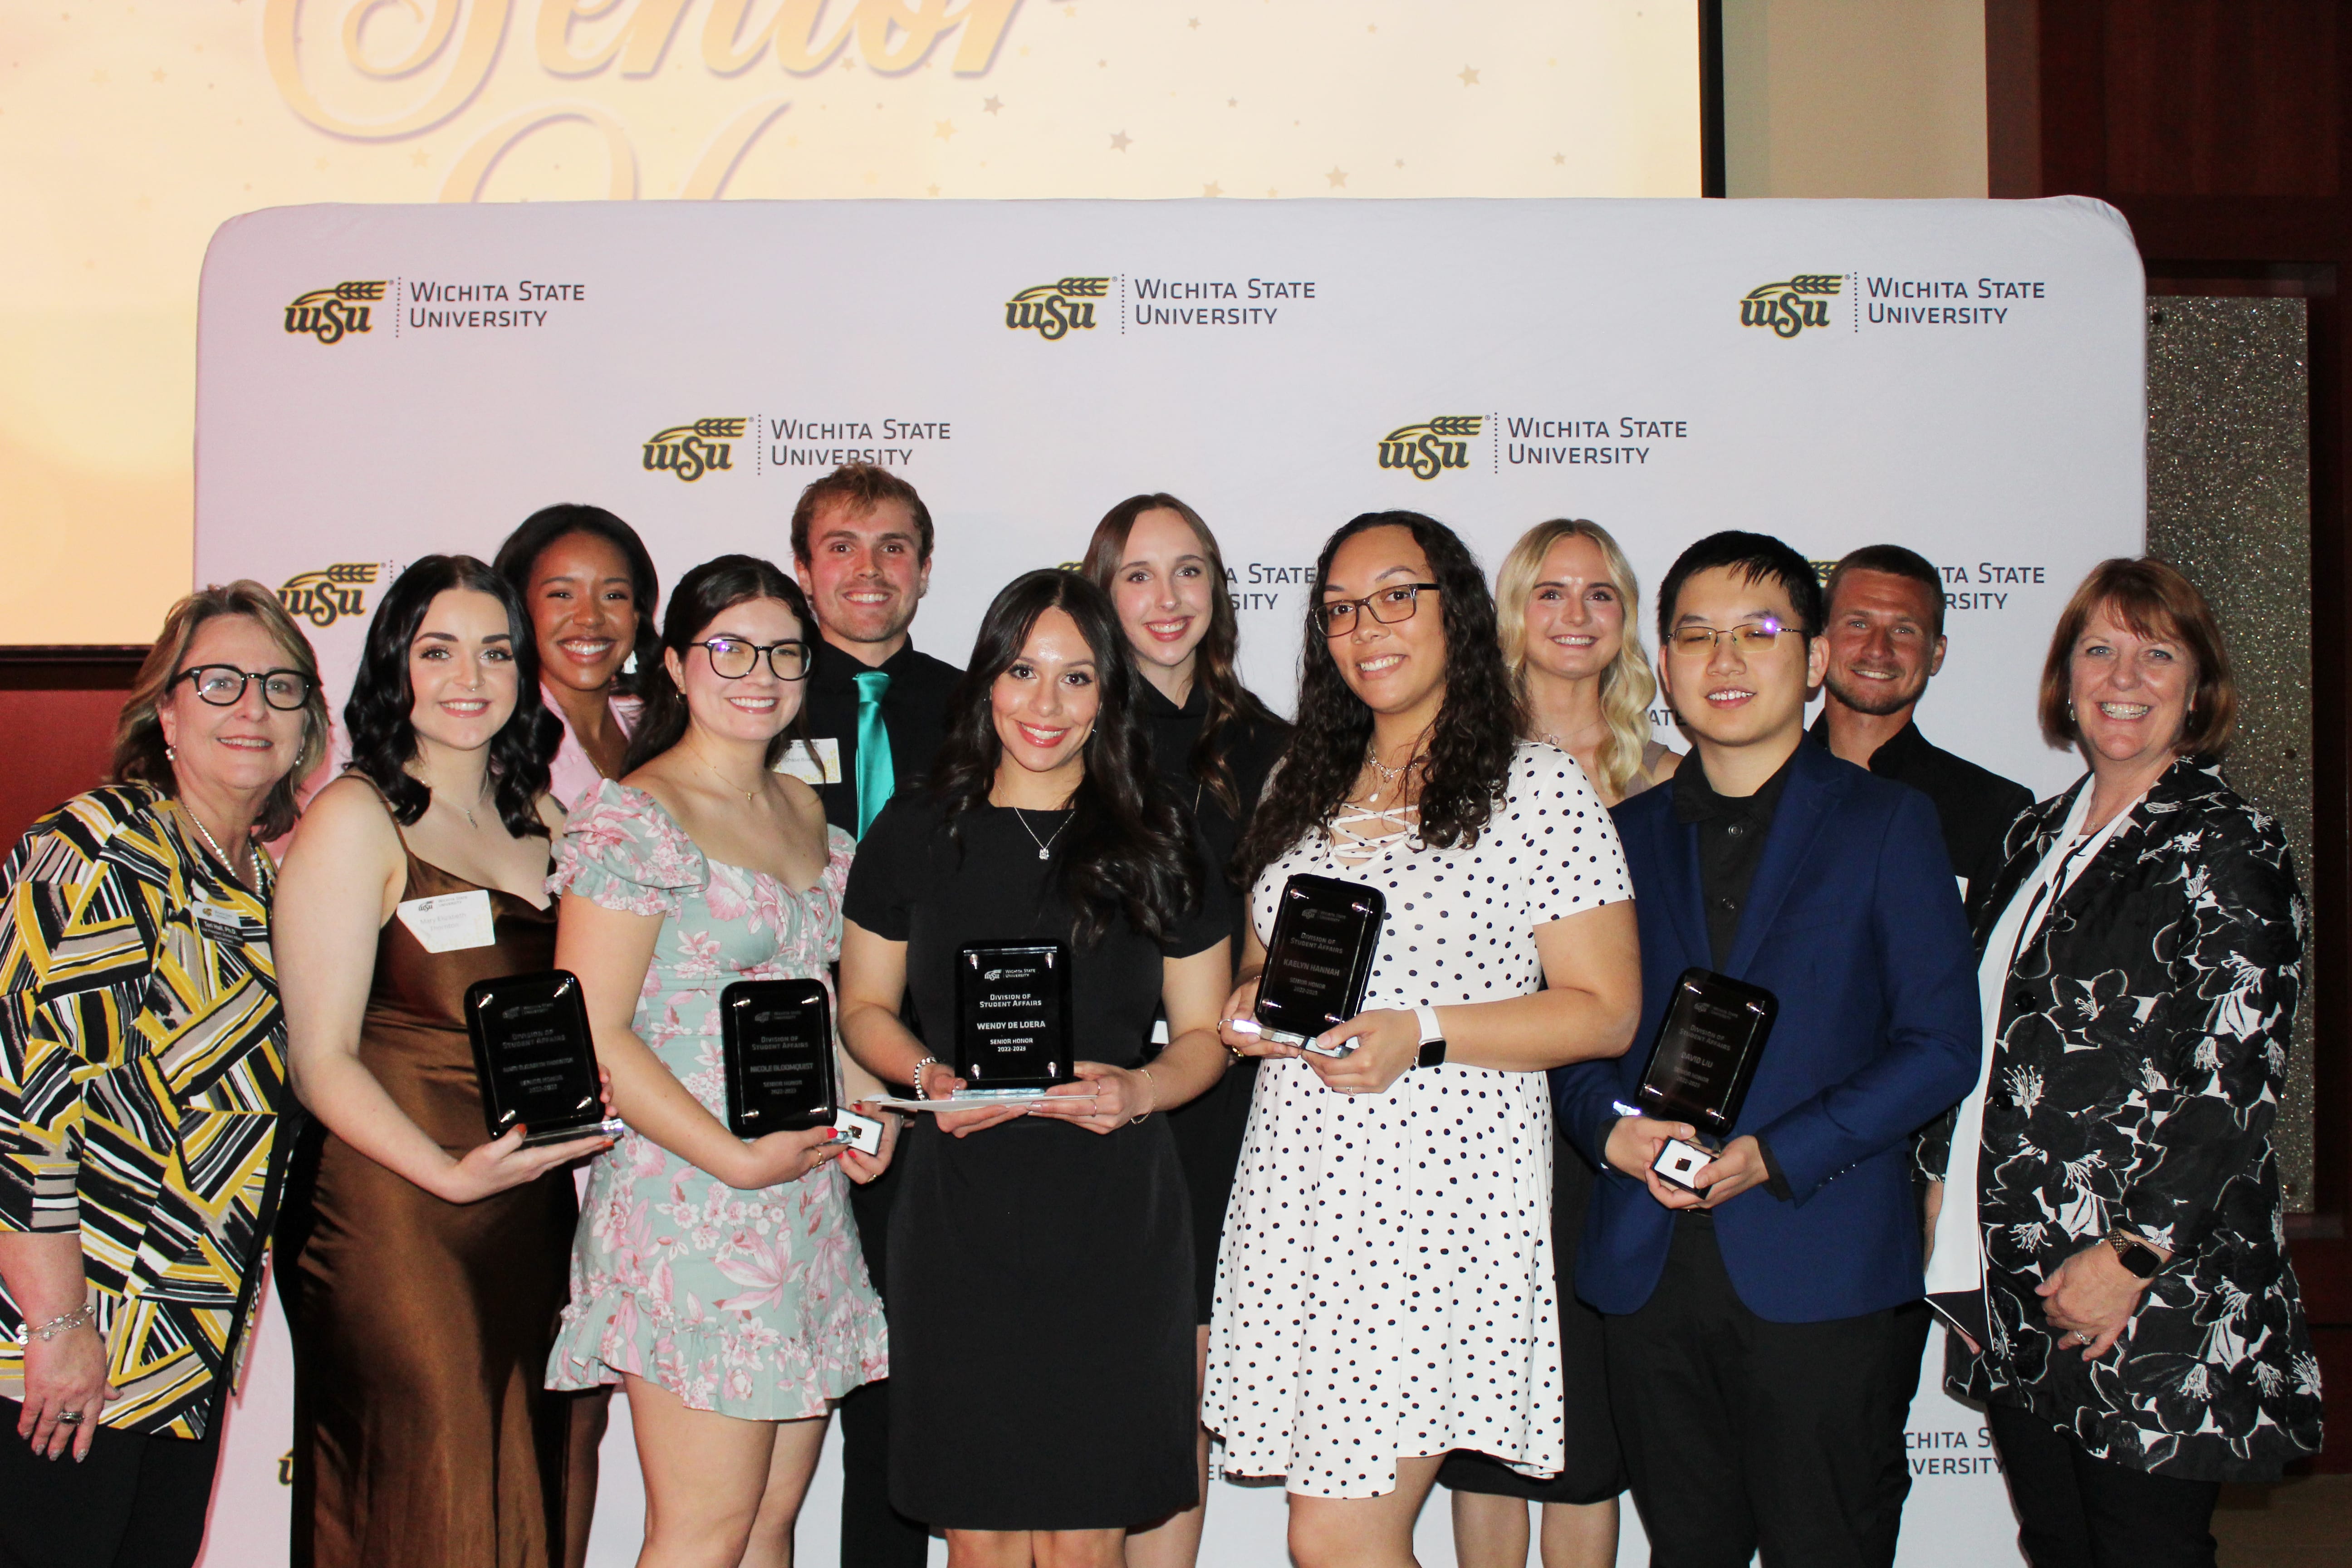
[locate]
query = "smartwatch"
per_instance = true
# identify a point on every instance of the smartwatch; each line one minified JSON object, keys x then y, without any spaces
{"x":1433,"y":1038}
{"x":2134,"y":1254}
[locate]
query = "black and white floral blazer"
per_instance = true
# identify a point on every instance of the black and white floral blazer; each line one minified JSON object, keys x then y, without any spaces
{"x":2141,"y":1058}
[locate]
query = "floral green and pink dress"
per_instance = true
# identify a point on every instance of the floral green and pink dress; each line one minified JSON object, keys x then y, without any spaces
{"x":755,"y":1304}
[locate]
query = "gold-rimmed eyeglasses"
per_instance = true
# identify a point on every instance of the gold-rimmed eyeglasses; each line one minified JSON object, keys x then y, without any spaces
{"x":1753,"y":636}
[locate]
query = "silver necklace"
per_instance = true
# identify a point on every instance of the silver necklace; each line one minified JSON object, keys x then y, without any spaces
{"x":226,"y":859}
{"x":1387,"y":775}
{"x":1045,"y":845}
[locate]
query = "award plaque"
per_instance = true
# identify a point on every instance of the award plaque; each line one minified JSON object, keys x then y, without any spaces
{"x":1701,"y":1065}
{"x":1013,"y":1016}
{"x":775,"y":1047}
{"x":1325,"y":934}
{"x":535,"y":1057}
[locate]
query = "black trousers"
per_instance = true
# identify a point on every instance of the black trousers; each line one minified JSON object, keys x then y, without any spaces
{"x":1743,"y":1436}
{"x":872,"y":1533}
{"x":2077,"y":1511}
{"x":136,"y":1502}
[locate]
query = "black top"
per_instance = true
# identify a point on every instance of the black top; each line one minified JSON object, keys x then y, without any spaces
{"x":1731,"y":832}
{"x":1252,"y":746}
{"x":914,"y":711}
{"x":912,"y":883}
{"x":1975,"y":806}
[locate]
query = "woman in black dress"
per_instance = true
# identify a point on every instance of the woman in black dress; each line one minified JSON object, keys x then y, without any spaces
{"x":1041,"y":1256}
{"x":1213,"y":742}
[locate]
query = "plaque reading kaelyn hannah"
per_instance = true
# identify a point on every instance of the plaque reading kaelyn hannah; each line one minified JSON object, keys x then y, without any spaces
{"x":1325,"y":934}
{"x":775,"y":1045}
{"x":1706,"y":1050}
{"x":1013,"y":1014}
{"x":535,"y":1057}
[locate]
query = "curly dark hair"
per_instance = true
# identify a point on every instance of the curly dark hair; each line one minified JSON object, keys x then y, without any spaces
{"x":519,"y":557}
{"x":378,"y":716}
{"x":1129,"y":852}
{"x":1470,"y":745}
{"x":701,"y":597}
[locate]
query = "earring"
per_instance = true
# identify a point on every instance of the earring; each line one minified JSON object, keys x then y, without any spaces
{"x":171,"y":754}
{"x":2069,"y":710}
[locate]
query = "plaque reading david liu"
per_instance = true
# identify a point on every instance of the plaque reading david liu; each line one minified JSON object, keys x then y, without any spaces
{"x":1326,"y":932}
{"x":775,"y":1046}
{"x":535,"y":1057}
{"x":1013,"y":1014}
{"x":1700,"y":1067}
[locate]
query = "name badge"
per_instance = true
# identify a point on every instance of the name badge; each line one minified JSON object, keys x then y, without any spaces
{"x":451,"y":922}
{"x":820,"y":766}
{"x":218,"y":922}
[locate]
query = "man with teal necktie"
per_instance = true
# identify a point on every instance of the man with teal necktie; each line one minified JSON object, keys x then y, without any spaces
{"x":877,"y":712}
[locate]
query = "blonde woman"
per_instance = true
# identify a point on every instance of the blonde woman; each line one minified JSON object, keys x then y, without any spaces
{"x":1562,"y":601}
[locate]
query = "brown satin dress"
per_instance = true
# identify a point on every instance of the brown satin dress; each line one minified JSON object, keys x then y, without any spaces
{"x":424,"y":1432}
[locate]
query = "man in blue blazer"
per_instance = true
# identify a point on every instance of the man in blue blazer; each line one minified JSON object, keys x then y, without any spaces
{"x":1751,"y":1328}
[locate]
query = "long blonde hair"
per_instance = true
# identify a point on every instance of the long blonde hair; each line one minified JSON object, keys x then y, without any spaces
{"x":1627,"y":685}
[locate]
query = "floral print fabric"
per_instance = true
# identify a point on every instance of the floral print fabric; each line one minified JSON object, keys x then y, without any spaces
{"x":755,"y":1304}
{"x":2140,"y":1061}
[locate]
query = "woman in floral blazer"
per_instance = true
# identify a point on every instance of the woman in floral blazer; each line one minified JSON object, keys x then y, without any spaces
{"x":2143,"y":955}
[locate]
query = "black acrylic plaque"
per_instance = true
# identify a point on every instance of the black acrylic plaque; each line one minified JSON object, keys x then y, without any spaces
{"x":775,"y":1046}
{"x":1325,"y":934}
{"x":1013,"y":1014}
{"x":1705,"y":1053}
{"x":535,"y":1057}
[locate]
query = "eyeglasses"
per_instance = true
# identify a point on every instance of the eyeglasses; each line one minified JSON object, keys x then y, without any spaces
{"x":1753,"y":639}
{"x":222,"y":685}
{"x":1390,"y":605}
{"x":732,"y":659}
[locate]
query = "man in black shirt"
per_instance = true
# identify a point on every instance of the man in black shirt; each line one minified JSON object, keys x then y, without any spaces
{"x":877,"y":711}
{"x":1886,"y":636}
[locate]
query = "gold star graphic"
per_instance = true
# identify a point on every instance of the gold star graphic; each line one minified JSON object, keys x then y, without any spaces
{"x":944,"y":130}
{"x":1469,"y":77}
{"x":322,"y":164}
{"x":98,"y":79}
{"x":991,"y":105}
{"x":1213,"y":189}
{"x":1400,"y":163}
{"x":1118,"y":142}
{"x":159,"y":73}
{"x":1269,"y":190}
{"x":935,"y":190}
{"x":872,"y":178}
{"x":1194,"y":24}
{"x":1232,"y":103}
{"x":1338,"y":177}
{"x":1560,"y":157}
{"x":419,"y":158}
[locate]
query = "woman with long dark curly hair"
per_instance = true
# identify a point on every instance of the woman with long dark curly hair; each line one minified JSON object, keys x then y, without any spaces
{"x":422,"y":1266}
{"x":1386,"y":1291}
{"x":1040,"y":1262}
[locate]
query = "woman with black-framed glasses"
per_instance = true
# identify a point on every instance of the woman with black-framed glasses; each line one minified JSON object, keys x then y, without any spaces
{"x":718,"y":1281}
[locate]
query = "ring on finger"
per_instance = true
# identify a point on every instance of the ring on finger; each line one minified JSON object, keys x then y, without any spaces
{"x":68,"y":1417}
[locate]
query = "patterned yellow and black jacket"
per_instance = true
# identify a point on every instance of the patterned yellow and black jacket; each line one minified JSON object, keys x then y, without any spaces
{"x":142,"y":1069}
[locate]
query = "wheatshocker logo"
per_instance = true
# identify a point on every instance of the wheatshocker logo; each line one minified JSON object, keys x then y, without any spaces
{"x":691,"y":451}
{"x":1429,"y":448}
{"x":1790,"y":307}
{"x":1053,"y":309}
{"x":327,"y":313}
{"x":324,"y":598}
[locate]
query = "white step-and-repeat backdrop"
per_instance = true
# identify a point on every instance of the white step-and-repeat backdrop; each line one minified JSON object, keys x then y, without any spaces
{"x":379,"y":383}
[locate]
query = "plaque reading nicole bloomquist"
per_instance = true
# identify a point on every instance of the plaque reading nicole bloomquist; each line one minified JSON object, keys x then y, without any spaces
{"x":1013,"y":1014}
{"x":1319,"y":960}
{"x":775,"y":1047}
{"x":1701,"y":1064}
{"x":535,"y":1057}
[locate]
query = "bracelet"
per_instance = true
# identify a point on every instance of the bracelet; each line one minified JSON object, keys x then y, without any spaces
{"x":65,"y":1322}
{"x":1134,"y":1121}
{"x":927,"y":1062}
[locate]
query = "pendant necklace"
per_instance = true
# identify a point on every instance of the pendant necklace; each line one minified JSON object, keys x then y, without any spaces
{"x":750,"y":796}
{"x":1045,"y":845}
{"x":1388,"y":775}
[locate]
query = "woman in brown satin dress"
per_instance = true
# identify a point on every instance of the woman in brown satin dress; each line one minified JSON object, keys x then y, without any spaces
{"x":422,"y":1266}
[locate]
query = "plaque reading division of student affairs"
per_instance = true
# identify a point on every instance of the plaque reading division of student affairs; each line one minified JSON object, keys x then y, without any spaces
{"x":1704,"y":1059}
{"x":1325,"y":934}
{"x":1013,"y":1014}
{"x":775,"y":1044}
{"x":535,"y":1057}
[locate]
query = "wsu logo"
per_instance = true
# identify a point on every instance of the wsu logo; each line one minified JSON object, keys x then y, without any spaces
{"x":691,"y":451}
{"x":327,"y":314}
{"x":1053,"y":310}
{"x":326,"y":597}
{"x":1427,"y":449}
{"x":1790,"y":307}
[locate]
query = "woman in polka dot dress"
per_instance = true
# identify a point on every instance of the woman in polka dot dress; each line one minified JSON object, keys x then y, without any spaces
{"x":1385,"y":1290}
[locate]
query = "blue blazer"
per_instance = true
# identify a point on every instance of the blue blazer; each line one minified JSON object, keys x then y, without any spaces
{"x":1853,"y":922}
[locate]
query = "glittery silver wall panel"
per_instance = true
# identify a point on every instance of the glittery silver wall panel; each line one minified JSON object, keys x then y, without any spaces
{"x":2229,"y":503}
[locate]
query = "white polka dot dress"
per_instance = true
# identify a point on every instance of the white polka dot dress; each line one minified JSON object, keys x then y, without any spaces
{"x":1385,"y":1286}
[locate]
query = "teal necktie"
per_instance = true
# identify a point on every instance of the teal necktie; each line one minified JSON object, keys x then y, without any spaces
{"x":876,"y":777}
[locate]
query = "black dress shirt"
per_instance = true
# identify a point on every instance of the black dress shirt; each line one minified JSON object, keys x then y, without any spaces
{"x":914,"y":712}
{"x":1974,"y":806}
{"x":1731,"y":832}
